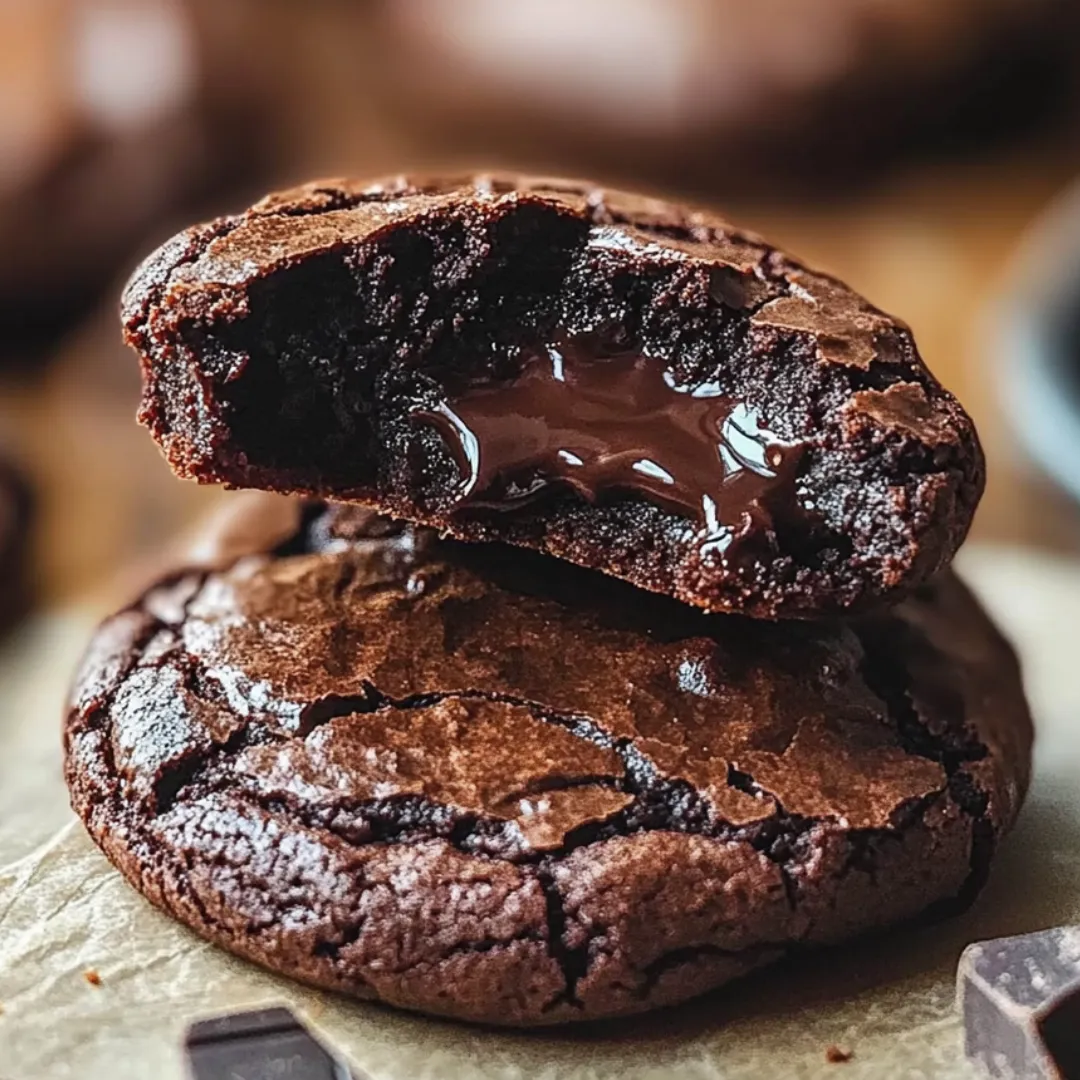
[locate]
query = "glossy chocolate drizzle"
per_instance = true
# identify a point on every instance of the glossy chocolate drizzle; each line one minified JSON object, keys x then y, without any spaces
{"x":575,"y":418}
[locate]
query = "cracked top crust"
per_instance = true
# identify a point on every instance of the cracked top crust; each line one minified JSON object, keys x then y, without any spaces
{"x":294,"y":347}
{"x":289,"y":226}
{"x":323,"y":707}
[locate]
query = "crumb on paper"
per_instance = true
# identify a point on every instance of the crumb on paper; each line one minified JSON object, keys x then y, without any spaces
{"x":837,"y":1055}
{"x":92,"y":977}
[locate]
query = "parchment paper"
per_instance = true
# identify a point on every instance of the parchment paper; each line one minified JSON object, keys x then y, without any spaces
{"x":63,"y":911}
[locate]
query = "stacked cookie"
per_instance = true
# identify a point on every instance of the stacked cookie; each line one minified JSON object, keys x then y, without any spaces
{"x":607,"y":648}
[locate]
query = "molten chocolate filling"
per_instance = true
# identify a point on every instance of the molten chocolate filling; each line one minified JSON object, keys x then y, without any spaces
{"x":606,"y":423}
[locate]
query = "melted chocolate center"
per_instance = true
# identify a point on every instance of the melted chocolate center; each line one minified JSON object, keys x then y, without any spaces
{"x":594,"y":423}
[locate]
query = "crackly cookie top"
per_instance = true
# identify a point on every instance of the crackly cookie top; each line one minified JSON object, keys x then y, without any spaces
{"x":329,"y":657}
{"x":324,"y":215}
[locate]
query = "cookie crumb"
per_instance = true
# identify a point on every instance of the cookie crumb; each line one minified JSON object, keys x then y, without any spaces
{"x":92,"y":977}
{"x":836,"y":1055}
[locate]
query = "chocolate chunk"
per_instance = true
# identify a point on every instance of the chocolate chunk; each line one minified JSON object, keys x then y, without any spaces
{"x":270,"y":1044}
{"x":475,"y":781}
{"x":1020,"y":1000}
{"x":635,"y":387}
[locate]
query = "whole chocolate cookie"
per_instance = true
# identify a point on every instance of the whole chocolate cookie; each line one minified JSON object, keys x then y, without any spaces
{"x":634,"y":387}
{"x":473,"y":781}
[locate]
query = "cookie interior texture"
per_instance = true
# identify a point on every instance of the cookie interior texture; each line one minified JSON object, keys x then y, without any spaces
{"x":476,"y":782}
{"x":340,"y":339}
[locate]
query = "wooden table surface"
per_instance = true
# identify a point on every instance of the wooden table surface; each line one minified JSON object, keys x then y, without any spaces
{"x":930,"y":245}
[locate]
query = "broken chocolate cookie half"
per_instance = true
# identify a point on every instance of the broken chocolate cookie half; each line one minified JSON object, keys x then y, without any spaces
{"x":635,"y":387}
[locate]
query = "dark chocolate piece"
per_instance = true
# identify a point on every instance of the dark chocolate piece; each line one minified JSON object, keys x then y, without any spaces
{"x":1020,"y":1000}
{"x":269,"y":1044}
{"x":753,"y":436}
{"x":471,"y":780}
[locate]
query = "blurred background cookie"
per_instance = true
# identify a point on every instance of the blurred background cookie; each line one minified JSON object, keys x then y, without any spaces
{"x":115,"y":115}
{"x":720,"y":94}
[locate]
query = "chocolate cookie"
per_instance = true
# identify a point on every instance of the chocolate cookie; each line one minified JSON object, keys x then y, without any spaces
{"x":714,"y":95}
{"x":634,"y":387}
{"x":473,"y":781}
{"x":14,"y":528}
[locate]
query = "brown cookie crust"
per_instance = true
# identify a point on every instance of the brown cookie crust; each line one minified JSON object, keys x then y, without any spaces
{"x":475,"y":782}
{"x":291,"y":348}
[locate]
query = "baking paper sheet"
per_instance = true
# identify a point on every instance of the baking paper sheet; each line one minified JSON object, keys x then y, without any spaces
{"x":64,"y":911}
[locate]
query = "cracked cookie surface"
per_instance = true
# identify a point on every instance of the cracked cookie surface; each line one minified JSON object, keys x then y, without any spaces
{"x":340,"y":340}
{"x":473,"y":781}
